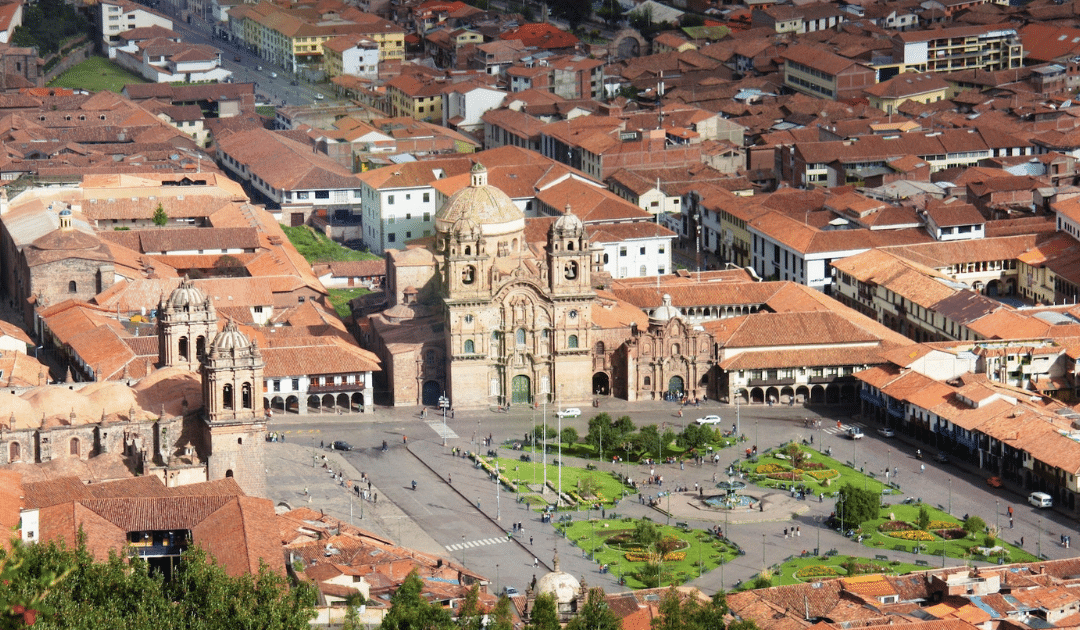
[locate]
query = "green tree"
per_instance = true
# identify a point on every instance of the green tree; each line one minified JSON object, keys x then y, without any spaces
{"x":542,"y":432}
{"x":974,"y":524}
{"x":795,"y":454}
{"x":595,"y":615}
{"x":470,"y":616}
{"x":649,"y":439}
{"x":229,"y":267}
{"x":160,"y":219}
{"x":621,"y":429}
{"x":501,"y":616}
{"x":569,"y":436}
{"x":695,"y":436}
{"x":923,"y":520}
{"x":410,"y":611}
{"x":573,"y":12}
{"x":599,"y":430}
{"x":691,"y":19}
{"x":676,"y":613}
{"x":544,"y":614}
{"x":646,"y":533}
{"x":857,"y":505}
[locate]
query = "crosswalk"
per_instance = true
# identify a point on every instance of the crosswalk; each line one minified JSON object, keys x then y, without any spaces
{"x":444,"y":431}
{"x":832,"y":429}
{"x":477,"y":543}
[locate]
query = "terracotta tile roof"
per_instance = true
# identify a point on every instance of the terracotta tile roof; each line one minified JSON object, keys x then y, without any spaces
{"x":541,"y":35}
{"x":315,"y":356}
{"x":241,"y":536}
{"x":11,"y":504}
{"x":42,"y":494}
{"x":590,"y":203}
{"x":285,"y":164}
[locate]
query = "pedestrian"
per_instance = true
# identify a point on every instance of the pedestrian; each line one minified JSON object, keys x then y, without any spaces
{"x":357,"y":488}
{"x":922,"y":468}
{"x":530,"y":542}
{"x":1010,"y":522}
{"x":785,"y":532}
{"x":536,"y":562}
{"x":811,"y":438}
{"x":682,"y":465}
{"x":895,"y":472}
{"x":405,"y":439}
{"x":1021,"y":541}
{"x":798,"y":531}
{"x":376,"y":499}
{"x":369,"y":484}
{"x":305,"y":492}
{"x":450,"y":478}
{"x":1010,"y":511}
{"x":478,"y":503}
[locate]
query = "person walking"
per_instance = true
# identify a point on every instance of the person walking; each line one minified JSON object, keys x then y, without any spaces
{"x":536,"y":563}
{"x":798,"y":531}
{"x":450,"y":478}
{"x":530,"y":542}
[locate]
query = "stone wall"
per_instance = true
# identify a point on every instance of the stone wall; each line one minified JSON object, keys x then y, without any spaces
{"x":73,"y":58}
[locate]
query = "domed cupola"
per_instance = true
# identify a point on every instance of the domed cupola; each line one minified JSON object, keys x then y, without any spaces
{"x":664,"y":313}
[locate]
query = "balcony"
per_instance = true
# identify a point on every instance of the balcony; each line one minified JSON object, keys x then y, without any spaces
{"x":331,"y":387}
{"x":760,"y":382}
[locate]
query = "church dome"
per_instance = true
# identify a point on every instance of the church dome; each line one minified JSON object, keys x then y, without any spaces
{"x":664,"y":313}
{"x":483,"y":204}
{"x":568,"y":222}
{"x":186,"y":295}
{"x":230,"y":338}
{"x":561,"y":585}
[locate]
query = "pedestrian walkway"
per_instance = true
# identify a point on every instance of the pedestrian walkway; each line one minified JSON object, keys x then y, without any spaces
{"x":832,"y":429}
{"x":444,"y":432}
{"x":469,"y":544}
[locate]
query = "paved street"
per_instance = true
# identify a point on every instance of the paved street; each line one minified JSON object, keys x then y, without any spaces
{"x":443,"y":516}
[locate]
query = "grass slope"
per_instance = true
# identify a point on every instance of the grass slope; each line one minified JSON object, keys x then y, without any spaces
{"x":96,"y":74}
{"x":318,"y":248}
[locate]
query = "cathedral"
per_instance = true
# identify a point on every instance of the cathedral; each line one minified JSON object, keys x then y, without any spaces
{"x":485,"y":317}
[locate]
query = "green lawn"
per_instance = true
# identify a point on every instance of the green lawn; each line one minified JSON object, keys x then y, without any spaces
{"x":598,"y":539}
{"x":317,"y":247}
{"x":812,"y":568}
{"x":608,"y":488}
{"x":96,"y":74}
{"x":339,"y":299}
{"x":266,"y":110}
{"x":836,"y":474}
{"x":959,"y":548}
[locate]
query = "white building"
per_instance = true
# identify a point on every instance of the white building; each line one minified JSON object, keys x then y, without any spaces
{"x":633,"y":250}
{"x":166,"y":61}
{"x":464,"y":105}
{"x":117,"y":16}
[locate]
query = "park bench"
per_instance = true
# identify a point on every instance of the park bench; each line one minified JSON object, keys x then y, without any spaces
{"x":881,"y":557}
{"x":682,"y":524}
{"x":922,"y":563}
{"x":831,"y":552}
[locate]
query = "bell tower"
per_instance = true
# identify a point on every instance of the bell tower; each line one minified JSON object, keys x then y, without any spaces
{"x":187,"y":321}
{"x":232,"y":377}
{"x":568,"y":252}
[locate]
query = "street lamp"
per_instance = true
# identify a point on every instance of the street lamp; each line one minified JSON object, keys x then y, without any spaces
{"x":444,"y":402}
{"x":997,"y":515}
{"x":462,"y":549}
{"x":1038,"y":543}
{"x":763,"y":565}
{"x":840,"y":511}
{"x":496,"y":578}
{"x":950,"y":495}
{"x":498,"y":497}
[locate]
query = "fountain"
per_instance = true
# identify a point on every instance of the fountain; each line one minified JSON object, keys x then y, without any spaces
{"x":731,"y":498}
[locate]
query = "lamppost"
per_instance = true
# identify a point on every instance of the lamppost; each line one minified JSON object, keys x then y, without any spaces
{"x":997,"y":515}
{"x":1038,"y":543}
{"x":558,"y":499}
{"x":462,"y":549}
{"x":312,"y":450}
{"x":763,"y":565}
{"x":498,"y":497}
{"x":738,"y":421}
{"x":444,"y":403}
{"x":496,"y":577}
{"x":950,"y":495}
{"x":840,"y":511}
{"x":817,"y":550}
{"x":757,"y":434}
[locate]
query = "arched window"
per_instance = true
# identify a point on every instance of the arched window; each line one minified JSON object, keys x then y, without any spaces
{"x":200,"y":347}
{"x":599,"y":348}
{"x":73,"y":287}
{"x":470,"y":347}
{"x":674,"y":349}
{"x":245,"y":395}
{"x":519,"y":336}
{"x":571,"y":341}
{"x":228,"y":473}
{"x":605,"y":258}
{"x":73,"y":447}
{"x":182,"y":348}
{"x":14,"y":452}
{"x":468,"y":250}
{"x":468,"y":275}
{"x":647,"y":382}
{"x":226,"y":397}
{"x":569,"y":246}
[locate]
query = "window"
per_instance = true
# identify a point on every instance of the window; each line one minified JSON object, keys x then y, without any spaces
{"x":572,"y":314}
{"x":427,"y":215}
{"x":470,"y":347}
{"x":302,"y":194}
{"x":74,"y":447}
{"x":277,"y":385}
{"x":427,"y":198}
{"x":296,"y":385}
{"x":643,"y":271}
{"x":468,"y":275}
{"x":571,"y":341}
{"x":642,"y":251}
{"x":391,"y":238}
{"x":622,"y":251}
{"x":322,"y":194}
{"x":646,"y":381}
{"x":519,"y":336}
{"x":73,"y":287}
{"x":468,"y":319}
{"x":390,"y":200}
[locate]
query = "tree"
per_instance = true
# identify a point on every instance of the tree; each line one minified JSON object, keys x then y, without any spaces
{"x":974,"y":524}
{"x":649,"y":439}
{"x":595,"y":615}
{"x":599,"y":431}
{"x":646,"y":533}
{"x":795,"y":454}
{"x":470,"y":617}
{"x":542,"y":432}
{"x":569,"y":436}
{"x":691,"y":19}
{"x":229,"y":267}
{"x":544,"y":615}
{"x":622,"y":428}
{"x":410,"y":611}
{"x":923,"y":520}
{"x":160,"y":219}
{"x":501,"y":617}
{"x":573,"y":12}
{"x":857,"y":505}
{"x":695,"y":436}
{"x":676,"y":613}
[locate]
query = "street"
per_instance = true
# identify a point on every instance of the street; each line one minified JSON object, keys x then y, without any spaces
{"x":442,"y":515}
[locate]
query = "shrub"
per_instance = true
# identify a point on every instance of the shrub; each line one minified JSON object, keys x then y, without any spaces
{"x":895,"y":526}
{"x":951,"y":534}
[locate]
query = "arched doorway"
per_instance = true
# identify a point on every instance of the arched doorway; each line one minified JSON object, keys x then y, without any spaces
{"x":357,"y":402}
{"x":520,"y":391}
{"x":600,"y":384}
{"x":431,"y":393}
{"x":676,"y":386}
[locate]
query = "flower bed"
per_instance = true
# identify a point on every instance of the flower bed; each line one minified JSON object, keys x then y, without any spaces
{"x":766,"y":469}
{"x":816,"y":571}
{"x":786,"y":476}
{"x":951,"y":534}
{"x":895,"y":526}
{"x":815,"y":466}
{"x":822,"y":475}
{"x":673,"y":556}
{"x":912,"y":534}
{"x":942,"y":525}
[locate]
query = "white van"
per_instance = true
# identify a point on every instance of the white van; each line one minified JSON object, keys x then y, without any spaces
{"x":1041,"y":500}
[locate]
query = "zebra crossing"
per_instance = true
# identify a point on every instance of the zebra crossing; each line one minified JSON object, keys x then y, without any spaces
{"x":477,"y":543}
{"x":444,"y":431}
{"x":832,"y":429}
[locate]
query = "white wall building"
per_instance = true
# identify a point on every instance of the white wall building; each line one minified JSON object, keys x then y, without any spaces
{"x":464,"y":105}
{"x":116,"y":17}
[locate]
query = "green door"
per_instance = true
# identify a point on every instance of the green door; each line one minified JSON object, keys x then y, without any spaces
{"x":519,"y":387}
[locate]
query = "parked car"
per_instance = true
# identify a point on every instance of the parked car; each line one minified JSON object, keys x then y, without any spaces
{"x":339,"y":445}
{"x":886,"y":432}
{"x":855,"y":433}
{"x":709,"y":420}
{"x":273,"y":75}
{"x":510,"y":591}
{"x":994,"y":482}
{"x":572,"y":412}
{"x":319,"y":96}
{"x":1041,"y":500}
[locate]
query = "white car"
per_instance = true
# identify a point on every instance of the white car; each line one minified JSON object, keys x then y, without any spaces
{"x":572,"y":412}
{"x":709,"y":420}
{"x":886,"y":432}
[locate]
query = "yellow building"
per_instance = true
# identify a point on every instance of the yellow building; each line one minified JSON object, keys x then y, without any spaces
{"x":925,"y":87}
{"x":412,"y":96}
